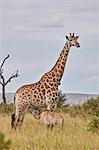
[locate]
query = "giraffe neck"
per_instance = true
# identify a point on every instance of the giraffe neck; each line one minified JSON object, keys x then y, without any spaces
{"x":59,"y":67}
{"x":56,"y":73}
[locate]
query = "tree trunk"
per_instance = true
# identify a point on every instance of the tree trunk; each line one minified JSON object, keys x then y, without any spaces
{"x":3,"y":94}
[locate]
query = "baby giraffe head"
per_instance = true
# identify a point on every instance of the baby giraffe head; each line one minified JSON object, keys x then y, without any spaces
{"x":73,"y":40}
{"x":36,"y":113}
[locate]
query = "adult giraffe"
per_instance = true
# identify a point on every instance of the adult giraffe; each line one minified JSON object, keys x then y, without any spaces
{"x":45,"y":92}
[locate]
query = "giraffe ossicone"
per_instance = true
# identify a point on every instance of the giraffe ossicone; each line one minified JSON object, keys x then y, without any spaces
{"x":44,"y":93}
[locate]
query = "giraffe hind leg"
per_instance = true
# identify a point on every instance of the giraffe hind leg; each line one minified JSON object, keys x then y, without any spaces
{"x":19,"y":116}
{"x":19,"y":120}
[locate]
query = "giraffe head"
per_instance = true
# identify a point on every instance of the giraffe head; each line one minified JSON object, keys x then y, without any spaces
{"x":73,"y":40}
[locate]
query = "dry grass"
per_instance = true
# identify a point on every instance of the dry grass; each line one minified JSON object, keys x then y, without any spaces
{"x":34,"y":136}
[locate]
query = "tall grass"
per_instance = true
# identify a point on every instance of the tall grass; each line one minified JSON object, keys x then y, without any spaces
{"x":34,"y":136}
{"x":80,"y":130}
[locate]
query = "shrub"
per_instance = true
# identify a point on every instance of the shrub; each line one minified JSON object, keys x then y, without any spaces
{"x":6,"y":108}
{"x":92,"y":106}
{"x":71,"y":110}
{"x":89,"y":108}
{"x":4,"y":144}
{"x":93,"y":124}
{"x":62,"y":99}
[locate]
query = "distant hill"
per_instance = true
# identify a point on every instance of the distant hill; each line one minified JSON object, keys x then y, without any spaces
{"x":78,"y":98}
{"x":72,"y":98}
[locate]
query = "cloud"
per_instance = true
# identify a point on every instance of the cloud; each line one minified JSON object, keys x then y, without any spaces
{"x":85,"y":7}
{"x":91,"y":83}
{"x":92,"y":79}
{"x":33,"y":14}
{"x":34,"y":32}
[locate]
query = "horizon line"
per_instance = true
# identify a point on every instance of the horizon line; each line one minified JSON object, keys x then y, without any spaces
{"x":62,"y":92}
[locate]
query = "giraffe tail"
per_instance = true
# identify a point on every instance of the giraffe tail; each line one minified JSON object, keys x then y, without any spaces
{"x":13,"y":116}
{"x":12,"y":120}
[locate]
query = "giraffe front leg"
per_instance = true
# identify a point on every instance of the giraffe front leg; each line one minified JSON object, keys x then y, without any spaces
{"x":52,"y":103}
{"x":51,"y":106}
{"x":52,"y":100}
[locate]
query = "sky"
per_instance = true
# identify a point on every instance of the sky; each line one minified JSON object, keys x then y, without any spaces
{"x":33,"y":34}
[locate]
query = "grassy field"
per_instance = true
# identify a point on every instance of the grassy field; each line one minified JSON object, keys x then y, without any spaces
{"x":34,"y":136}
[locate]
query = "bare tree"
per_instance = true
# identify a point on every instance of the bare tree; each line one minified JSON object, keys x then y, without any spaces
{"x":4,"y":82}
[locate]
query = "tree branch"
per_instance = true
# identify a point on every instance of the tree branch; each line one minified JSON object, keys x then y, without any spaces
{"x":4,"y":61}
{"x":14,"y":75}
{"x":3,"y":80}
{"x":1,"y":83}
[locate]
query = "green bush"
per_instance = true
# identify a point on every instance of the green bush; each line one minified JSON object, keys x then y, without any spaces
{"x":62,"y":99}
{"x":92,"y":106}
{"x":71,"y":110}
{"x":93,"y":124}
{"x":6,"y":108}
{"x":4,"y":144}
{"x":89,"y":108}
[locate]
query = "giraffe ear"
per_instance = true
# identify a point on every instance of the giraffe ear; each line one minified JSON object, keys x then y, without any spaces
{"x":77,"y":37}
{"x":67,"y":37}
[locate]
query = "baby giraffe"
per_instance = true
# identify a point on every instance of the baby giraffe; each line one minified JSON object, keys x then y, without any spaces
{"x":50,"y":119}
